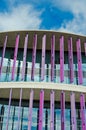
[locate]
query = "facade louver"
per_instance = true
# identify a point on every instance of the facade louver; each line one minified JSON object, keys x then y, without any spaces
{"x":42,"y":81}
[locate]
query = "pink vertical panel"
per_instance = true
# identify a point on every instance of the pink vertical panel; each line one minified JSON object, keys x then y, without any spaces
{"x":73,"y":111}
{"x":62,"y":110}
{"x":79,"y":60}
{"x":85,"y":48}
{"x":30,"y":110}
{"x":43,"y":58}
{"x":52,"y":110}
{"x":70,"y":51}
{"x":24,"y":57}
{"x":41,"y":106}
{"x":19,"y":111}
{"x":82,"y":111}
{"x":61,"y":58}
{"x":34,"y":57}
{"x":3,"y":54}
{"x":15,"y":57}
{"x":52,"y":57}
{"x":8,"y":116}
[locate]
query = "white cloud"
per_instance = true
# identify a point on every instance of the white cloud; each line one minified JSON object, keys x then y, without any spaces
{"x":77,"y":25}
{"x":77,"y":8}
{"x":20,"y":18}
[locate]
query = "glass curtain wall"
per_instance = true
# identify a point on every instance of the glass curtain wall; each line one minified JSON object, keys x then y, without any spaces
{"x":13,"y":118}
{"x":8,"y":63}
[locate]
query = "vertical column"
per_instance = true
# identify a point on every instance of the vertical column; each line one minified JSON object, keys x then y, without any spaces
{"x":82,"y":111}
{"x":30,"y":110}
{"x":34,"y":57}
{"x":2,"y":111}
{"x":41,"y":106}
{"x":43,"y":58}
{"x":3,"y":54}
{"x":10,"y":97}
{"x":46,"y":120}
{"x":61,"y":58}
{"x":15,"y":57}
{"x":19,"y":110}
{"x":24,"y":57}
{"x":37,"y":119}
{"x":79,"y":60}
{"x":54,"y":120}
{"x":62,"y":110}
{"x":52,"y":57}
{"x":52,"y":110}
{"x":73,"y":111}
{"x":70,"y":51}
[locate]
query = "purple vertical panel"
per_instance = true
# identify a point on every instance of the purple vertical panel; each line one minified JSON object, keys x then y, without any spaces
{"x":82,"y":111}
{"x":19,"y":110}
{"x":52,"y":110}
{"x":15,"y":57}
{"x":10,"y":97}
{"x":73,"y":111}
{"x":3,"y":54}
{"x":62,"y":110}
{"x":61,"y":58}
{"x":24,"y":57}
{"x":79,"y":60}
{"x":30,"y":110}
{"x":52,"y":57}
{"x":34,"y":57}
{"x":85,"y":48}
{"x":70,"y":51}
{"x":41,"y":106}
{"x":43,"y":58}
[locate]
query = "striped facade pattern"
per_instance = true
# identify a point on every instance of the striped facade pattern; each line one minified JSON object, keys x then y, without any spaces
{"x":52,"y":75}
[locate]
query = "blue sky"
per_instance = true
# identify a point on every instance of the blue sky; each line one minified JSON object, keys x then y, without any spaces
{"x":64,"y":15}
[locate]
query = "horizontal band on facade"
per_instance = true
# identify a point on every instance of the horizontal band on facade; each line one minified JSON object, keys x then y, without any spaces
{"x":47,"y":87}
{"x":44,"y":85}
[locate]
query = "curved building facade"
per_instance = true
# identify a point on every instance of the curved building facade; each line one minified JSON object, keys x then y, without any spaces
{"x":42,"y":81}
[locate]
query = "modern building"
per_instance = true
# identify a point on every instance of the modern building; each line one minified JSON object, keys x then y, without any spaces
{"x":42,"y":81}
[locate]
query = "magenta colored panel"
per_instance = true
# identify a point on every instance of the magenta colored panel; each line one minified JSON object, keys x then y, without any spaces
{"x":73,"y":111}
{"x":41,"y":106}
{"x":3,"y":54}
{"x":34,"y":57}
{"x":30,"y":110}
{"x":52,"y":110}
{"x":70,"y":51}
{"x":43,"y":58}
{"x":19,"y":111}
{"x":82,"y":111}
{"x":8,"y":114}
{"x":15,"y":57}
{"x":24,"y":57}
{"x":61,"y":58}
{"x":62,"y":110}
{"x":52,"y":57}
{"x":79,"y":60}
